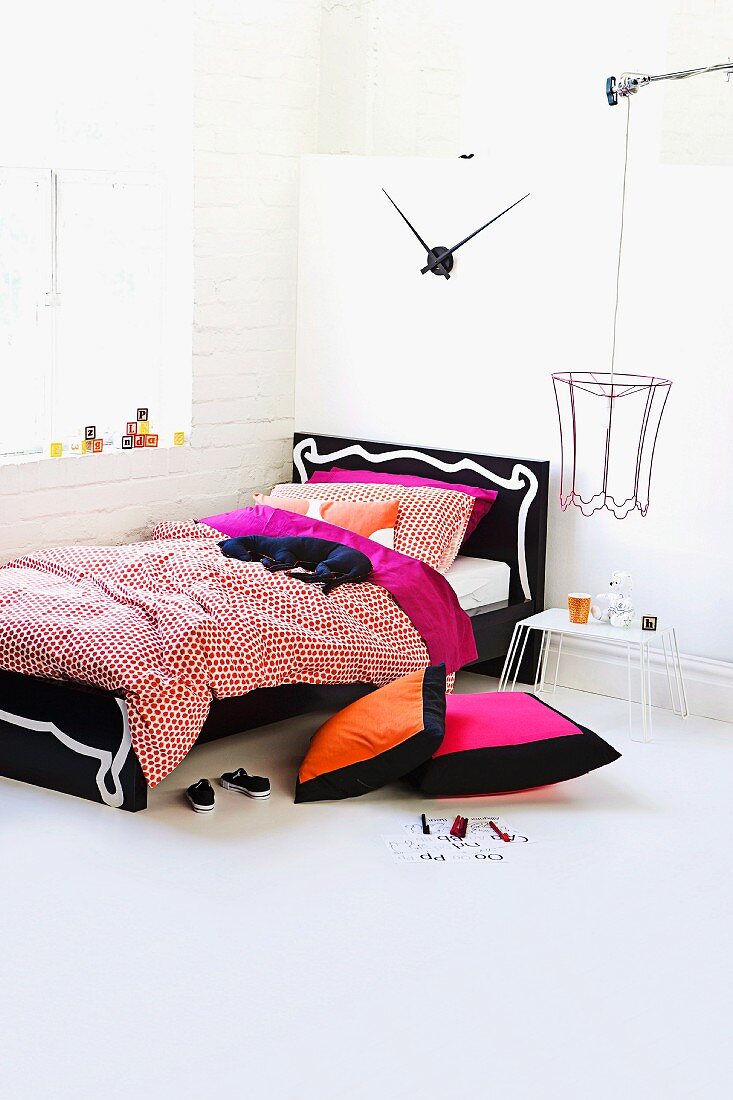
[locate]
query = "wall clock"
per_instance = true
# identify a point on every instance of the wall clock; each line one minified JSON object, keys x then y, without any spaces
{"x":440,"y":258}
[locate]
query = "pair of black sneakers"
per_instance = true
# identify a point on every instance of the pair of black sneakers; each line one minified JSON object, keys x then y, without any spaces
{"x":201,"y":794}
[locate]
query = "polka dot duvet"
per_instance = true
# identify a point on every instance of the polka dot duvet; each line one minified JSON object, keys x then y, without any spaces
{"x":171,"y":623}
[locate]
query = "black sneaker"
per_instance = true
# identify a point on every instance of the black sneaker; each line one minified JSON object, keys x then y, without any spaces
{"x":256,"y":786}
{"x":201,"y":796}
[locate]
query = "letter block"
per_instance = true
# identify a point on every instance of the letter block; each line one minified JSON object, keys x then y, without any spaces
{"x":97,"y":446}
{"x":57,"y":450}
{"x":90,"y":432}
{"x":151,"y":440}
{"x":142,"y":413}
{"x":127,"y":443}
{"x":143,"y":427}
{"x":139,"y":440}
{"x":131,"y":427}
{"x":179,"y":438}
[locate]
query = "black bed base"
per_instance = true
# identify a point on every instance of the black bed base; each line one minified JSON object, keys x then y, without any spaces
{"x":69,"y":738}
{"x":77,"y":740}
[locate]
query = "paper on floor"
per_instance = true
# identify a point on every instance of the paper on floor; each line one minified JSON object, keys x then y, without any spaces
{"x":480,"y":845}
{"x":414,"y":848}
{"x":442,"y":825}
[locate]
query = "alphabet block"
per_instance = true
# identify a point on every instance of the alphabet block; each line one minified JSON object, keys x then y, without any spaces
{"x":151,"y":440}
{"x":56,"y":450}
{"x":139,"y":440}
{"x":85,"y":447}
{"x":90,"y":432}
{"x":97,"y":446}
{"x":127,"y":443}
{"x":142,"y":413}
{"x":143,"y":427}
{"x":179,"y":438}
{"x":131,"y":427}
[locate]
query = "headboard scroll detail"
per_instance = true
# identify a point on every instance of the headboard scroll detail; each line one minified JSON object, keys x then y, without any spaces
{"x":521,"y":480}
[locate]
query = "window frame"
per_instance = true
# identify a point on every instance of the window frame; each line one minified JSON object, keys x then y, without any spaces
{"x":51,"y":182}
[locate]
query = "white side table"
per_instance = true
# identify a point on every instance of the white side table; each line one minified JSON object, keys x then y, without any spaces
{"x":556,"y":621}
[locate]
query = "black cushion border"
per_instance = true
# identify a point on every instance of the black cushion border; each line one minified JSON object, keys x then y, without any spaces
{"x":392,"y":764}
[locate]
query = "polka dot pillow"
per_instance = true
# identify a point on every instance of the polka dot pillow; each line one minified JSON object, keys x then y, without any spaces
{"x":431,"y":523}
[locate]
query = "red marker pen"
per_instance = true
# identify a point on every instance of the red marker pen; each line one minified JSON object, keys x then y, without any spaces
{"x":497,"y":830}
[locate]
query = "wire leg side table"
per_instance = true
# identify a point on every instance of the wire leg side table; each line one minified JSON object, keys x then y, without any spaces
{"x":554,"y":623}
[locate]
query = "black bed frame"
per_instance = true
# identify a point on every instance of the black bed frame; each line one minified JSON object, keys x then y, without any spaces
{"x":76,"y":739}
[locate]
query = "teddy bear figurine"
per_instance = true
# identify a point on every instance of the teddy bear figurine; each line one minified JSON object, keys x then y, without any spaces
{"x":621,"y":613}
{"x":615,"y":607}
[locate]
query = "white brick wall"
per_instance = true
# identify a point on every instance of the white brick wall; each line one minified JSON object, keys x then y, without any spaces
{"x":390,"y":77}
{"x":255,"y":111}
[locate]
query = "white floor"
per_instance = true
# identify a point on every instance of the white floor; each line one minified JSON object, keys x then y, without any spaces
{"x":272,"y":948}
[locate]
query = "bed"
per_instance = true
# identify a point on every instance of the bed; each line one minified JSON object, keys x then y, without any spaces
{"x":76,"y":739}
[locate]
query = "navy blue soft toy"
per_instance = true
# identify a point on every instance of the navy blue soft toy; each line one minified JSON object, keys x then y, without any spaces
{"x":327,"y":563}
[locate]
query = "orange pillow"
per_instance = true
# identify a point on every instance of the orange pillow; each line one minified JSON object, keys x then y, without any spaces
{"x":374,"y":519}
{"x":431,"y":523}
{"x":377,"y":739}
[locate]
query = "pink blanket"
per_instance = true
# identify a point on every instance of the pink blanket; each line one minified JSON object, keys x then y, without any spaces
{"x":171,"y":623}
{"x":422,"y":593}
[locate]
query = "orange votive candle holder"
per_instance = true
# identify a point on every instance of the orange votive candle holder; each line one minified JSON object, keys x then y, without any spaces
{"x":579,"y":607}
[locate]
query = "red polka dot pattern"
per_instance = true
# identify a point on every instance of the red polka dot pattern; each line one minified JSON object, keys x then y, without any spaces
{"x":431,"y":523}
{"x":172,"y":622}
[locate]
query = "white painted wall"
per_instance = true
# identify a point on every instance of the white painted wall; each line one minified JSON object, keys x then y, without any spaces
{"x":386,"y":353}
{"x":675,"y":317}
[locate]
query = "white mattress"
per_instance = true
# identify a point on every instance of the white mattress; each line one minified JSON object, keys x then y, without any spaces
{"x":478,"y":583}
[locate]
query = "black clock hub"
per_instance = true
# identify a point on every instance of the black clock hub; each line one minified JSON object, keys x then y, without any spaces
{"x":435,"y":254}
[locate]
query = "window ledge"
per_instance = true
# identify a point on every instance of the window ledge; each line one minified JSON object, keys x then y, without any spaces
{"x":37,"y":456}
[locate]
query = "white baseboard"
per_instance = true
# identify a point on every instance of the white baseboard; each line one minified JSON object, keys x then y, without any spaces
{"x":601,"y":668}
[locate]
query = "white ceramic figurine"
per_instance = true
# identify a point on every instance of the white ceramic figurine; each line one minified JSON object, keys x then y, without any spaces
{"x":615,"y":607}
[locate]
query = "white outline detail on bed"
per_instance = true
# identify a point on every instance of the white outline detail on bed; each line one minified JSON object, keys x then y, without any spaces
{"x":107,"y":763}
{"x":514,"y":483}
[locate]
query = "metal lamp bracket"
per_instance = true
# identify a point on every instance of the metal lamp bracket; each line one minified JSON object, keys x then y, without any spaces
{"x":628,"y":84}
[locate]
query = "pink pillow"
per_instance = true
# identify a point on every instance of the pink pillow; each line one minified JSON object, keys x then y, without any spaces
{"x":484,"y":498}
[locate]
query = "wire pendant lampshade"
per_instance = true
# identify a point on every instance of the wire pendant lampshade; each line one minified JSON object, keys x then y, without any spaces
{"x":608,"y":430}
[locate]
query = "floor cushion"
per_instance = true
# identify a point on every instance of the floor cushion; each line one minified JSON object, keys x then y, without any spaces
{"x":497,"y":742}
{"x":377,"y":739}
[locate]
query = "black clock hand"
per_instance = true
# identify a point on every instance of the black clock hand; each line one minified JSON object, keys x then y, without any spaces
{"x":432,"y":255}
{"x":412,"y":227}
{"x":434,"y":263}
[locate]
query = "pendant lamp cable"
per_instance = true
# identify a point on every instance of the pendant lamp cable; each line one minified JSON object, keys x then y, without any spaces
{"x":620,"y":239}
